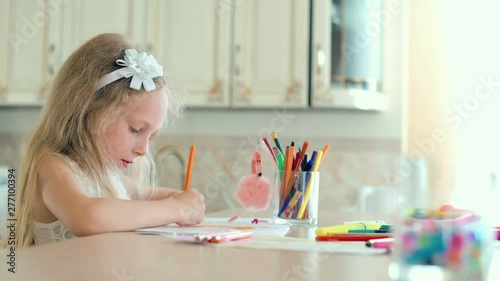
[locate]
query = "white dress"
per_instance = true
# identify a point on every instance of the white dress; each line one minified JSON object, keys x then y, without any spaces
{"x":57,"y":231}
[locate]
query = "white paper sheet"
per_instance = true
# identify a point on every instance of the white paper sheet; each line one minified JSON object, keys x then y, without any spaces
{"x":220,"y":226}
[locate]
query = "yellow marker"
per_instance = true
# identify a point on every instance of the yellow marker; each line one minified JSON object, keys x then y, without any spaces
{"x":344,"y":228}
{"x":291,"y":203}
{"x":307,"y":194}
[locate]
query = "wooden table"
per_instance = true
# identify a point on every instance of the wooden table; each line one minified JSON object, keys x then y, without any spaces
{"x":129,"y":256}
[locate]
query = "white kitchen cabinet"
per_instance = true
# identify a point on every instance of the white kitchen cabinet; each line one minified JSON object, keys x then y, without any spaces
{"x":186,"y":37}
{"x":88,"y":18}
{"x":270,"y":53}
{"x":30,"y":30}
{"x":37,"y":37}
{"x":4,"y":44}
{"x":219,"y":53}
{"x":227,"y":53}
{"x":192,"y":40}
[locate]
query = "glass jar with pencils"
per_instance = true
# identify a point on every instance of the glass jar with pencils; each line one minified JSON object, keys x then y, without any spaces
{"x":296,"y":182}
{"x":296,"y":197}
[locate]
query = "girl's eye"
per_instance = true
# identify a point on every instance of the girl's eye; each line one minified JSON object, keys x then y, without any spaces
{"x":135,"y":131}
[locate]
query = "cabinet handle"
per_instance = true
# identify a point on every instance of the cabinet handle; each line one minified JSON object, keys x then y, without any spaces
{"x":319,"y":84}
{"x":215,"y":93}
{"x":320,"y":59}
{"x":243,"y":91}
{"x":237,"y":50}
{"x":50,"y":70}
{"x":50,"y":65}
{"x":292,"y":92}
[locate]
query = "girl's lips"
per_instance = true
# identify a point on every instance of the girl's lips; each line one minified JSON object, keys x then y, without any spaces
{"x":126,"y":163}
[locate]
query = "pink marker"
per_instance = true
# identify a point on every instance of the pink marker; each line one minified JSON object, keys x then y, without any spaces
{"x":381,"y":243}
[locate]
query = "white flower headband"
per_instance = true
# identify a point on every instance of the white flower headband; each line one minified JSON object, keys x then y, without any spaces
{"x":141,"y":67}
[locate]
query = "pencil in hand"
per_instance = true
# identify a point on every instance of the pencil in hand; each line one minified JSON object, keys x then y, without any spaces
{"x":189,"y":167}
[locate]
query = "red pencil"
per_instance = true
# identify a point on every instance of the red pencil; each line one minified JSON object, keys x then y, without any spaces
{"x":268,"y":145}
{"x":352,"y":237}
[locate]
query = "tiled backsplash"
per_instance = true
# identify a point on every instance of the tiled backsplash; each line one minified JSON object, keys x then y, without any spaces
{"x":350,"y":164}
{"x":10,"y":149}
{"x":220,"y":162}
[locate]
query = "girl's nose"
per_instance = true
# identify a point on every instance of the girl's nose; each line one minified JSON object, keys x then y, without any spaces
{"x":141,"y":148}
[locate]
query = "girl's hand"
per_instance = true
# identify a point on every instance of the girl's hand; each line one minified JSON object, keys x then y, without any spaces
{"x":191,"y":207}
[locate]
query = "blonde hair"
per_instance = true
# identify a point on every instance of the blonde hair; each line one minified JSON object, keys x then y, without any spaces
{"x":74,"y":120}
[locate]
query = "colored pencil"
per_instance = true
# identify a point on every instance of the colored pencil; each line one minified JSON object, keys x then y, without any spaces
{"x":189,"y":167}
{"x":325,"y":151}
{"x":352,"y":237}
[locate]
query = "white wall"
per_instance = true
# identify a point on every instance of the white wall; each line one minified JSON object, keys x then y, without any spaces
{"x":454,"y":97}
{"x":327,"y":123}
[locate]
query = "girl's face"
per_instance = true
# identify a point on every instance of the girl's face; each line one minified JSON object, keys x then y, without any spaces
{"x":129,"y":135}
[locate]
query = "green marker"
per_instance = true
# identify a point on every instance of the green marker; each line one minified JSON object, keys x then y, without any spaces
{"x":361,"y":231}
{"x":281,"y":162}
{"x":277,"y":141}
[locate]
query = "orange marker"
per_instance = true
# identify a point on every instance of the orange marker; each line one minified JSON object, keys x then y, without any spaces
{"x":301,"y":156}
{"x":189,"y":167}
{"x":325,"y":150}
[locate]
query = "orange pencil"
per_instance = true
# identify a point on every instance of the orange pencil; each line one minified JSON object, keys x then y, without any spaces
{"x":285,"y":172}
{"x":291,"y":155}
{"x":189,"y":167}
{"x":325,"y":150}
{"x":294,"y":171}
{"x":301,"y":157}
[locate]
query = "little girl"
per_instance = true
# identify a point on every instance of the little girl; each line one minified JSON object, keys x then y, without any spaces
{"x":88,"y":168}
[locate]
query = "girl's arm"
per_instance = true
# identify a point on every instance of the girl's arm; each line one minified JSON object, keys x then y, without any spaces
{"x":157,"y":193}
{"x":84,"y":215}
{"x":163,"y":193}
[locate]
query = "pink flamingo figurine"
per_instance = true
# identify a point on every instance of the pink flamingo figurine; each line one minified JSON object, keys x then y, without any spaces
{"x":254,"y":190}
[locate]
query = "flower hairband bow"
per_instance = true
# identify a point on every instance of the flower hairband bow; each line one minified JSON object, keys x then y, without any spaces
{"x":140,"y":66}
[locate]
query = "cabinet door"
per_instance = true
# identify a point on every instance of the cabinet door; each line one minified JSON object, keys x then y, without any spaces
{"x":192,"y":43}
{"x":55,"y":37}
{"x":347,"y":48}
{"x":89,"y":18}
{"x":271,"y":49}
{"x":142,"y":27}
{"x":29,"y":27}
